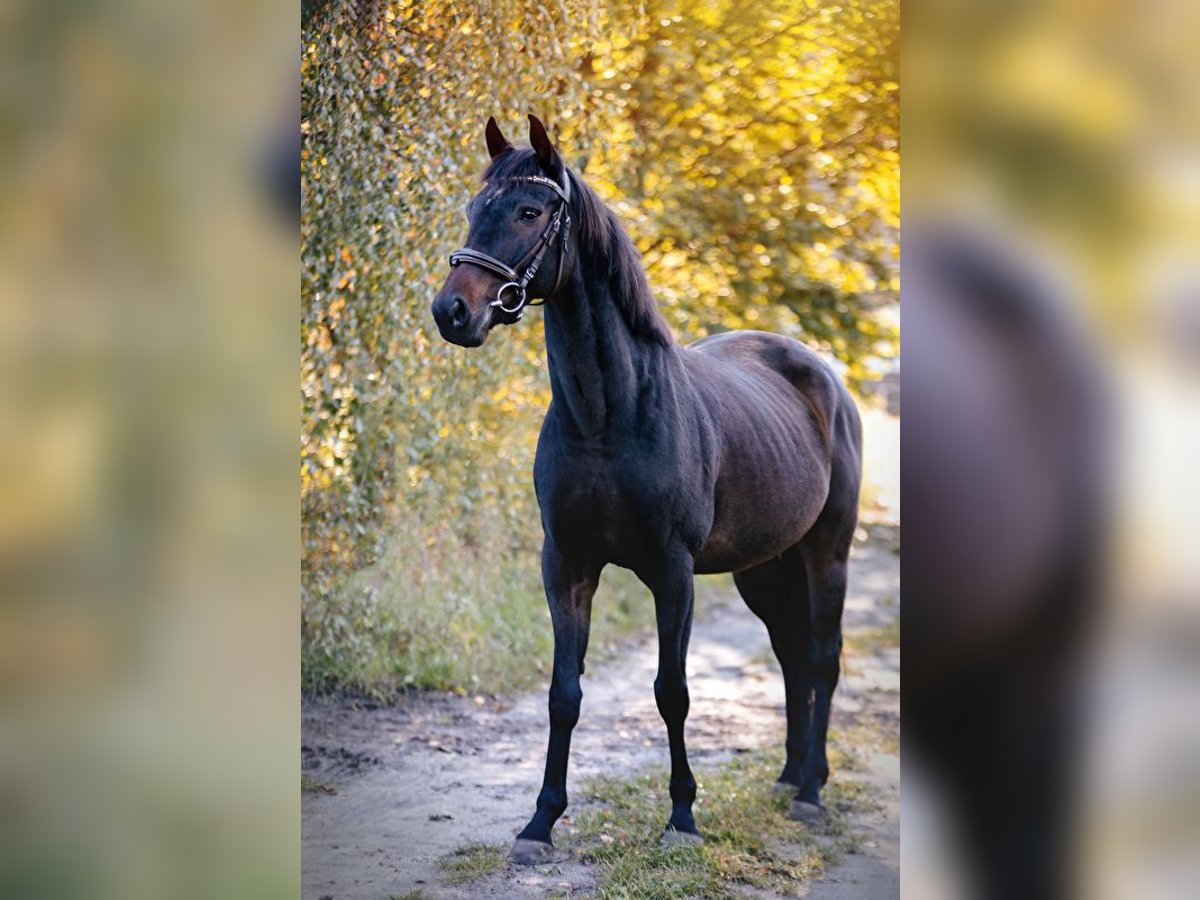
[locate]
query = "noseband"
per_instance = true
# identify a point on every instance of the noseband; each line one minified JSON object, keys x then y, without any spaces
{"x":516,"y":283}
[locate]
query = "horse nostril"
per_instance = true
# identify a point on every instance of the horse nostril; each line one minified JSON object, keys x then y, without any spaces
{"x":459,"y":314}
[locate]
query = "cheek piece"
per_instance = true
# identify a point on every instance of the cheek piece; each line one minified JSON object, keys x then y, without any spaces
{"x":510,"y":297}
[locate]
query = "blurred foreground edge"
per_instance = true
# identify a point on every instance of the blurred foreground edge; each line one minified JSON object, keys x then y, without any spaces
{"x":1003,"y":451}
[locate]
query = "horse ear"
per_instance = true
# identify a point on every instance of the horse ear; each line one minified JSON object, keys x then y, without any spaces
{"x":540,"y":141}
{"x":497,"y":143}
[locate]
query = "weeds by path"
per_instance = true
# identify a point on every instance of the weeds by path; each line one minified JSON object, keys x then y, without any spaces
{"x":747,"y":838}
{"x":472,"y":862}
{"x":749,"y":841}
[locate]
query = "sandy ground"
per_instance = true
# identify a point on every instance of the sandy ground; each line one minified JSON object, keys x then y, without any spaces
{"x":419,"y":780}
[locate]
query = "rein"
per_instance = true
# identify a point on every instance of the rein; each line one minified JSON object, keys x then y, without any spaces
{"x":516,"y":282}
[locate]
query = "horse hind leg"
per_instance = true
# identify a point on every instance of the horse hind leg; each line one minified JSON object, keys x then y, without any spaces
{"x":777,"y":592}
{"x":826,"y":550}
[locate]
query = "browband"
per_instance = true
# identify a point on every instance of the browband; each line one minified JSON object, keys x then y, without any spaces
{"x":563,"y":190}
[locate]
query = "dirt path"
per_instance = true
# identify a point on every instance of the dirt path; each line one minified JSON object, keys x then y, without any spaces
{"x":416,"y":782}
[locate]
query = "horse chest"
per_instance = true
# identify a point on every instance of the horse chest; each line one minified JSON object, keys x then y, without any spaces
{"x":606,"y":510}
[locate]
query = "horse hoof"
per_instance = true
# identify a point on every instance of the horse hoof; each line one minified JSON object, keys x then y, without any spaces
{"x":673,"y":838}
{"x":808,"y":813}
{"x":530,"y":853}
{"x":782,"y":787}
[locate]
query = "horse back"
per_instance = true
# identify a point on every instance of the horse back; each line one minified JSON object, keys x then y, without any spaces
{"x":756,"y":364}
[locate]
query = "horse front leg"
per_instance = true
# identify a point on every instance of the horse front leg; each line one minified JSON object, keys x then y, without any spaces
{"x":569,"y":591}
{"x":673,"y":595}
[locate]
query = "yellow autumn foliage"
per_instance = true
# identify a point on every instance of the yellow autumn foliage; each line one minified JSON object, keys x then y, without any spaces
{"x":751,"y":150}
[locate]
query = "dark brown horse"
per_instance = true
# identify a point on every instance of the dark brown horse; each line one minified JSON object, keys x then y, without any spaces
{"x":739,"y":453}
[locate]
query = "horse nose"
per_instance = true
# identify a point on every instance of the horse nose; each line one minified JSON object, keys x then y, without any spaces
{"x":459,"y":312}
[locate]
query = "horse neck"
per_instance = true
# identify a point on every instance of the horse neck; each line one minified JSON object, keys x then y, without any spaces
{"x":598,"y":368}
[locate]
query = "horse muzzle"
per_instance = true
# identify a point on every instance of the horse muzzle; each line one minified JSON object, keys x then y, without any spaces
{"x":456,"y":322}
{"x":459,"y":320}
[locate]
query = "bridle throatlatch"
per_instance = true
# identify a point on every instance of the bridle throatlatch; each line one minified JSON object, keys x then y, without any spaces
{"x":516,"y":283}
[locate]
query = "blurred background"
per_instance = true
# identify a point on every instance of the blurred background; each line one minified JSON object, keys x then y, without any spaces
{"x":148,"y":664}
{"x":750,"y":149}
{"x":1051,"y":324}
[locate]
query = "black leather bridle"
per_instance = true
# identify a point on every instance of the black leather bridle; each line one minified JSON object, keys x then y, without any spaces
{"x":515,"y":282}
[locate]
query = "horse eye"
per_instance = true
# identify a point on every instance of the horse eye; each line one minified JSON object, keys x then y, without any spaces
{"x":528,"y":214}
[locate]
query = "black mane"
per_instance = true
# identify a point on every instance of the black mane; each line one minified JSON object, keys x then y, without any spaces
{"x":603,"y":245}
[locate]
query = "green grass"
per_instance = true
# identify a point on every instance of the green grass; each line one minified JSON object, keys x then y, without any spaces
{"x":438,"y":614}
{"x":869,"y":640}
{"x":748,"y":839}
{"x":472,"y":862}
